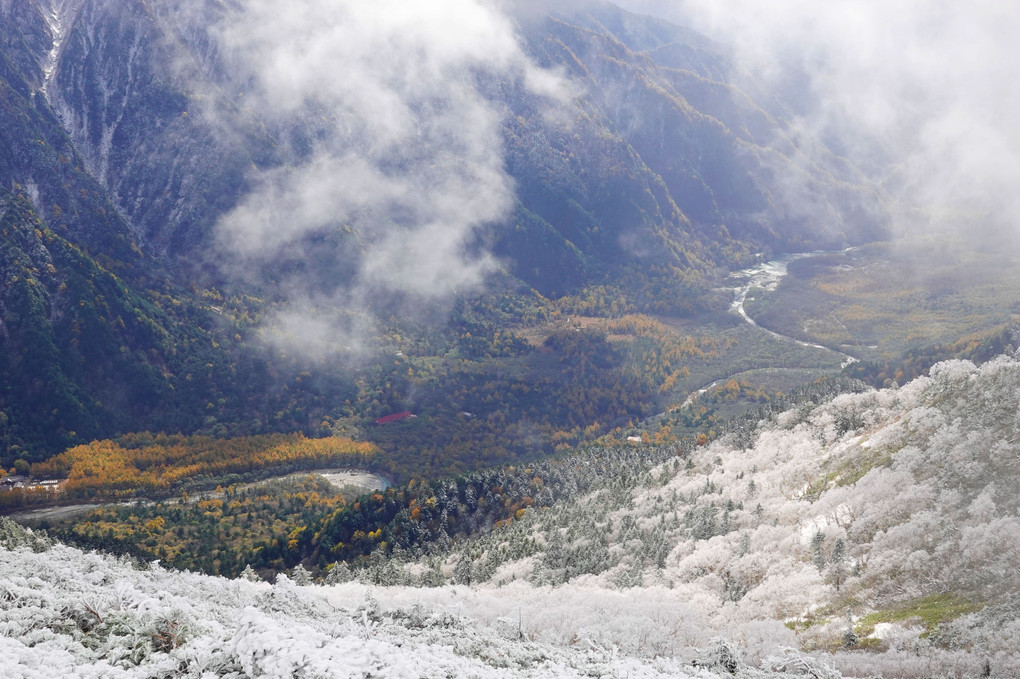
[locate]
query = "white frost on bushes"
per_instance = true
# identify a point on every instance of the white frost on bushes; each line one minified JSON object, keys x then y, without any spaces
{"x":65,"y":613}
{"x":873,"y":500}
{"x":689,"y":569}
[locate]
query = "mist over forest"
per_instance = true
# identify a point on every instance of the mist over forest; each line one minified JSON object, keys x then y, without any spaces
{"x":505,"y":338}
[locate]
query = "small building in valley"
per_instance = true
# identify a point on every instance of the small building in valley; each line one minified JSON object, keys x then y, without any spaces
{"x":393,"y":417}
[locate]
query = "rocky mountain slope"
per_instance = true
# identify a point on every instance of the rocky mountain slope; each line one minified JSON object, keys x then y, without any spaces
{"x":659,"y":152}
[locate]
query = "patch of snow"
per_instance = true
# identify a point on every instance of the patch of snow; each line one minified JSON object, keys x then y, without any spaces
{"x":883,"y":630}
{"x":58,"y":19}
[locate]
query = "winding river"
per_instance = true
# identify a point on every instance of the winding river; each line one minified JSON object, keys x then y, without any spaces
{"x":360,"y":479}
{"x":767,"y":277}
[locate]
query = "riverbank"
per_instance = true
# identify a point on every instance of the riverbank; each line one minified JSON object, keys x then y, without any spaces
{"x":341,"y":478}
{"x":766,"y":278}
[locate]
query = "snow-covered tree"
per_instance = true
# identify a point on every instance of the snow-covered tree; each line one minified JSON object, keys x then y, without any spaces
{"x":250,"y":575}
{"x":301,"y":576}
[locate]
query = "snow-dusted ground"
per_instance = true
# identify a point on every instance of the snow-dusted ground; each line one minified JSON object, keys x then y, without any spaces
{"x":65,"y":613}
{"x":834,"y":512}
{"x":861,"y":506}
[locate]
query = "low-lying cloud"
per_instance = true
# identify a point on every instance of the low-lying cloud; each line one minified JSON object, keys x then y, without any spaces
{"x":918,"y":92}
{"x":389,"y":152}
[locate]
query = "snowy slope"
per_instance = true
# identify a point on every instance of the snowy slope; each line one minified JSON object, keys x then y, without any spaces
{"x":816,"y":537}
{"x":66,"y":613}
{"x":886,"y":518}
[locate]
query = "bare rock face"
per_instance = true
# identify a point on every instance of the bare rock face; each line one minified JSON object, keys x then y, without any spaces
{"x":125,"y":86}
{"x":26,"y":38}
{"x":39,"y":158}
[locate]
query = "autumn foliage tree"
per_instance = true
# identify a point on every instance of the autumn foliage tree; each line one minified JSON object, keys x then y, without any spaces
{"x":147,"y":464}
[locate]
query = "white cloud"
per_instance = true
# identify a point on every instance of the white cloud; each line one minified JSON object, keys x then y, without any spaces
{"x":398,"y":140}
{"x":928,"y":82}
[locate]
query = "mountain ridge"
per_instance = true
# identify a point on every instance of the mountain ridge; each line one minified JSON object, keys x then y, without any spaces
{"x":104,"y":99}
{"x":136,"y":140}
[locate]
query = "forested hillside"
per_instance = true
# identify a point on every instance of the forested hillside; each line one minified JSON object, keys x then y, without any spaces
{"x":215,"y":238}
{"x":881,"y":523}
{"x":860,"y":534}
{"x":85,"y":354}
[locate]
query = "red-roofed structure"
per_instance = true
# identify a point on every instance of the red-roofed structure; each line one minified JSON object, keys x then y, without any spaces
{"x":395,"y":417}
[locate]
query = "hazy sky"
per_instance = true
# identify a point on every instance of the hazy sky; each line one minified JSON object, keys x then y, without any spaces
{"x":931,"y":81}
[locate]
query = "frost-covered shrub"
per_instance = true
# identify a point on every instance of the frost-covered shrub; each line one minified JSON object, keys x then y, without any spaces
{"x":791,"y":661}
{"x":13,"y":536}
{"x":913,"y":496}
{"x":721,"y":655}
